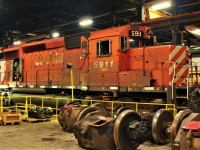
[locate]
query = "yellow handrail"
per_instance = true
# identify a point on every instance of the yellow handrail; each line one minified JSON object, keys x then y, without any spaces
{"x":29,"y":104}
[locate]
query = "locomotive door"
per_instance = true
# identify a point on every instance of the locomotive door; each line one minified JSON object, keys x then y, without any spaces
{"x":84,"y":55}
{"x":104,"y":63}
{"x":84,"y":61}
{"x":16,"y":68}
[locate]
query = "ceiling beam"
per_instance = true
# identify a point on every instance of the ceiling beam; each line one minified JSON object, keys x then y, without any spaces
{"x":168,"y":22}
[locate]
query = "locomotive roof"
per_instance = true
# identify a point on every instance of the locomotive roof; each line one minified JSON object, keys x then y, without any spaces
{"x":108,"y":32}
{"x":58,"y":41}
{"x":11,"y":49}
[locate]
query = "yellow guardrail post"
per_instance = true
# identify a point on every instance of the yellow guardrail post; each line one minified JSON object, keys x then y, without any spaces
{"x":30,"y":103}
{"x":72,"y":84}
{"x":175,"y":111}
{"x":166,"y":106}
{"x":136,"y":107}
{"x":26,"y":106}
{"x":42,"y":102}
{"x":56,"y":109}
{"x":1,"y":103}
{"x":112,"y":109}
{"x":70,"y":66}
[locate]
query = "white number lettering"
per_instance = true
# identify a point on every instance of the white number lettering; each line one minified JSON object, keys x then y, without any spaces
{"x":106,"y":63}
{"x":136,"y":33}
{"x":96,"y":64}
{"x":111,"y":64}
{"x":101,"y":64}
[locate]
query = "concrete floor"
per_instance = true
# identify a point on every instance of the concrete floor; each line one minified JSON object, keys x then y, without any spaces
{"x":46,"y":135}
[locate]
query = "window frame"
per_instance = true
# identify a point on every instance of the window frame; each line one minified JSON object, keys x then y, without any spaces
{"x":125,"y":44}
{"x":84,"y":47}
{"x":98,"y":48}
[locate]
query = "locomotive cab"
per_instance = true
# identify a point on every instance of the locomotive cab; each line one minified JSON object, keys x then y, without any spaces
{"x":127,"y":59}
{"x":109,"y":59}
{"x":104,"y":58}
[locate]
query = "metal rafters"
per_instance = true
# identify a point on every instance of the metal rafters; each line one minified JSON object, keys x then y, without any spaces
{"x":39,"y":17}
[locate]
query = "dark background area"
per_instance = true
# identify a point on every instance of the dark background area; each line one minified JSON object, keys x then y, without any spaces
{"x":32,"y":20}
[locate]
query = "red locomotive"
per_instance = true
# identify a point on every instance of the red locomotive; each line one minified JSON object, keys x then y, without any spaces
{"x":118,"y":62}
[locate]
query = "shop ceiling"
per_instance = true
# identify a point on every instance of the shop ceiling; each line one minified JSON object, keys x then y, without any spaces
{"x":35,"y":19}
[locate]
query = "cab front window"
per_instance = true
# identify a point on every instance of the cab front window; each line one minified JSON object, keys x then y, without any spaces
{"x":103,"y":48}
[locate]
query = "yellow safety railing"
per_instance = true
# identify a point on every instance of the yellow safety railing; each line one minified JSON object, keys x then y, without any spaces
{"x":23,"y":107}
{"x":170,"y":107}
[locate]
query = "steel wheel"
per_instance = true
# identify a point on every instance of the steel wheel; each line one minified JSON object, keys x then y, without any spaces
{"x":101,"y":107}
{"x":177,"y":122}
{"x":121,"y":129}
{"x":86,"y":111}
{"x":159,"y":125}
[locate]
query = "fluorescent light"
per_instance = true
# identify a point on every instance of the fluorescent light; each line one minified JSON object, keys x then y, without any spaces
{"x":16,"y":42}
{"x":161,"y":6}
{"x":55,"y":34}
{"x":85,"y":22}
{"x":113,"y":88}
{"x":84,"y":87}
{"x":195,"y":31}
{"x":196,"y":48}
{"x":54,"y":86}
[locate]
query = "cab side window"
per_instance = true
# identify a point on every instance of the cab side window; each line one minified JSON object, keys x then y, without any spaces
{"x":103,"y":48}
{"x":134,"y":43}
{"x":84,"y":45}
{"x":123,"y":43}
{"x":84,"y":48}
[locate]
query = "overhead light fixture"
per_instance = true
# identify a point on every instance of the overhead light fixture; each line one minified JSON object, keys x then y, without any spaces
{"x":161,"y":6}
{"x":55,"y":34}
{"x":18,"y":42}
{"x":196,"y":48}
{"x":195,"y":31}
{"x":86,"y":22}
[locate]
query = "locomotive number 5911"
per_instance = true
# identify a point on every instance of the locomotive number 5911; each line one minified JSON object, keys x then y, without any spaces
{"x":102,"y":64}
